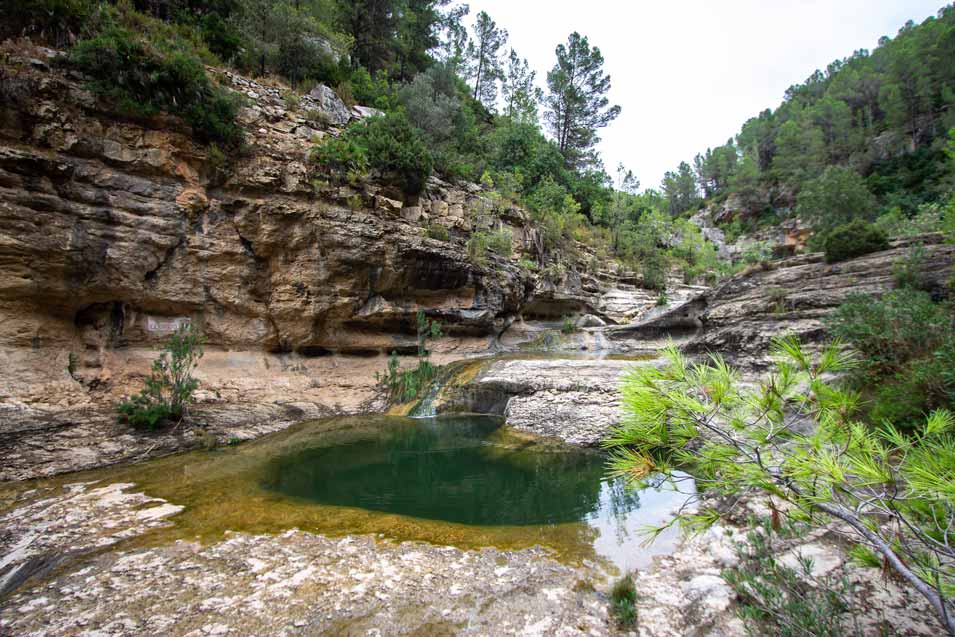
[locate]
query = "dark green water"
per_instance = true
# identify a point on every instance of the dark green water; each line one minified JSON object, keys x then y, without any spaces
{"x":464,"y":481}
{"x":452,"y":469}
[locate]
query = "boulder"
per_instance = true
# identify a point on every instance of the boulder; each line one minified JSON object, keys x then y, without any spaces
{"x":328,"y":102}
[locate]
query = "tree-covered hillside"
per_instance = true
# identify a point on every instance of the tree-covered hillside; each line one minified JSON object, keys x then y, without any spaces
{"x":869,"y":137}
{"x":458,"y":102}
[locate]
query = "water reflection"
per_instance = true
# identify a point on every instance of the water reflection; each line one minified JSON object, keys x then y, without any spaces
{"x":468,"y":470}
{"x":460,"y":481}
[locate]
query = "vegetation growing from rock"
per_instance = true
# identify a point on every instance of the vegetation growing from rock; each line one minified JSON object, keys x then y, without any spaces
{"x":145,"y":67}
{"x":851,"y":240}
{"x":170,"y":386}
{"x":779,"y":600}
{"x":906,"y":353}
{"x":623,"y":601}
{"x":388,"y":144}
{"x":886,"y":490}
{"x":406,"y":385}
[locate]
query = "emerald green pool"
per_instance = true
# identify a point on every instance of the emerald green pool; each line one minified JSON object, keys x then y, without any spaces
{"x":448,"y":469}
{"x":466,"y":481}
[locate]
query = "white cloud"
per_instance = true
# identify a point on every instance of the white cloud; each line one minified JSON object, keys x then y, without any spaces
{"x":688,"y":74}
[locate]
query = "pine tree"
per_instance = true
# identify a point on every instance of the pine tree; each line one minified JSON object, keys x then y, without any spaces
{"x":372,"y":25}
{"x":680,"y":189}
{"x":484,"y":59}
{"x":577,"y":104}
{"x":521,"y":97}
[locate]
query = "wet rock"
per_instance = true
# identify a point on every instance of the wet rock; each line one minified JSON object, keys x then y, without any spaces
{"x":577,"y":401}
{"x":292,"y":583}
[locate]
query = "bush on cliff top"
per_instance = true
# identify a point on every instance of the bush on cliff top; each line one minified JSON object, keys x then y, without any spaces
{"x":143,"y":80}
{"x":389,"y":144}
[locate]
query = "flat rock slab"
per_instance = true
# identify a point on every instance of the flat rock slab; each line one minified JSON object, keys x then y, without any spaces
{"x":295,"y":583}
{"x":575,"y":400}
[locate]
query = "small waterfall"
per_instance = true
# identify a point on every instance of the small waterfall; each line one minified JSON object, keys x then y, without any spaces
{"x":602,"y":346}
{"x":425,"y":407}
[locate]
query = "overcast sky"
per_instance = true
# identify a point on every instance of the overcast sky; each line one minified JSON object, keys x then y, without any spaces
{"x":688,"y":74}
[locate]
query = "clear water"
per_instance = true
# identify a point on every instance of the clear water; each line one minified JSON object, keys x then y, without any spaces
{"x":468,"y":470}
{"x":464,"y":481}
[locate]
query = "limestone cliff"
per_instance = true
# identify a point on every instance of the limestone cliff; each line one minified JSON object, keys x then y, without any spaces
{"x":114,"y":231}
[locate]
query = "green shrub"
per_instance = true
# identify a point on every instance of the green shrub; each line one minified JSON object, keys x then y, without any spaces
{"x":53,"y":21}
{"x":882,"y":487}
{"x":853,"y":240}
{"x":437,"y":231}
{"x":653,"y":270}
{"x":568,"y":325}
{"x":170,"y":386}
{"x":623,"y":599}
{"x":406,"y":385}
{"x":478,"y":246}
{"x":910,"y":271}
{"x":396,"y":149}
{"x":501,"y":242}
{"x":342,"y":157}
{"x":887,"y":333}
{"x":906,"y":349}
{"x":662,"y":299}
{"x":777,"y":600}
{"x":126,"y":68}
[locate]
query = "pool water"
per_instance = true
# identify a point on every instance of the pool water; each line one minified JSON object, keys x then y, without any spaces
{"x":465,"y":481}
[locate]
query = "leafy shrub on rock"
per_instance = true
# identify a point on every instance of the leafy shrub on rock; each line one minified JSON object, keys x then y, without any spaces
{"x":906,"y":349}
{"x":127,"y":68}
{"x":853,"y":240}
{"x":170,"y":385}
{"x":388,"y":144}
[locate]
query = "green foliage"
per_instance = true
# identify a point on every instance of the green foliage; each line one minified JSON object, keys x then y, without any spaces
{"x":864,"y":556}
{"x":889,"y":491}
{"x":662,"y":299}
{"x":569,"y":326}
{"x":396,"y":149}
{"x":909,"y":272}
{"x":906,"y":347}
{"x":344,"y":158}
{"x":143,"y":79}
{"x":170,"y":385}
{"x":837,"y":197}
{"x":623,"y":601}
{"x":483,"y":59}
{"x":389,"y":144}
{"x":777,"y":600}
{"x":481,"y":242}
{"x":406,"y":385}
{"x":291,"y":39}
{"x":437,"y":231}
{"x":58,"y":22}
{"x":577,"y":104}
{"x":879,"y":114}
{"x":853,"y":239}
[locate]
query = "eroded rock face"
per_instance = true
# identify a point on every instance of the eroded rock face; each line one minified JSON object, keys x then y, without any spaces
{"x":577,"y":401}
{"x":115,"y":232}
{"x":795,"y":296}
